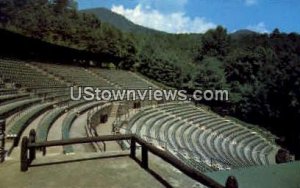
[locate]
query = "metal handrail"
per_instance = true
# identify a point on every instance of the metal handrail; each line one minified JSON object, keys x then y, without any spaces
{"x":29,"y":144}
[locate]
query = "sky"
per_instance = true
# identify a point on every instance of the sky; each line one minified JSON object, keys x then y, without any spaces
{"x":197,"y":16}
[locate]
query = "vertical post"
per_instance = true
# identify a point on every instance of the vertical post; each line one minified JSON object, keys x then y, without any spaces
{"x":104,"y":146}
{"x":132,"y":147}
{"x":24,"y":154}
{"x":32,"y":151}
{"x":231,"y":182}
{"x":16,"y":141}
{"x":44,"y":151}
{"x":144,"y":157}
{"x":2,"y":140}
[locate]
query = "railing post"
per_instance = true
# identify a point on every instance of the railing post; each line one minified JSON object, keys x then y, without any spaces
{"x":104,"y":146}
{"x":44,"y":151}
{"x":32,"y":151}
{"x":2,"y":140}
{"x":132,"y":147}
{"x":24,"y":154}
{"x":16,"y":141}
{"x":231,"y":182}
{"x":144,"y":157}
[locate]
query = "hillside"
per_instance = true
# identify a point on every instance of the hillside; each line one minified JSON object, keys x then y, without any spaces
{"x":119,"y":21}
{"x":242,"y":33}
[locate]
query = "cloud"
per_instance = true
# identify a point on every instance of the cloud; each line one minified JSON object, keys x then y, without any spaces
{"x":260,"y":28}
{"x":250,"y":2}
{"x":165,"y":6}
{"x":174,"y":22}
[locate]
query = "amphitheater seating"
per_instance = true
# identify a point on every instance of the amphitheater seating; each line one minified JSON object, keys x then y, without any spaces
{"x":50,"y":90}
{"x":28,"y":88}
{"x":29,"y":77}
{"x":68,"y":121}
{"x":5,"y":99}
{"x":49,"y":118}
{"x":211,"y":137}
{"x":12,"y":101}
{"x":66,"y":126}
{"x":25,"y":76}
{"x":24,"y":119}
{"x":7,"y":109}
{"x":6,"y":91}
{"x":74,"y":75}
{"x":123,"y":79}
{"x":46,"y":123}
{"x":200,"y":138}
{"x":95,"y":115}
{"x":194,"y":162}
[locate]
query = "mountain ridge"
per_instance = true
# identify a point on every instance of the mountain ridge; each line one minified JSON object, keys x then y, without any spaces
{"x":122,"y":23}
{"x":119,"y":21}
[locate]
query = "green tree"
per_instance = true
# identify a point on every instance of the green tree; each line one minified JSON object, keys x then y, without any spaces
{"x":211,"y":75}
{"x":215,"y":42}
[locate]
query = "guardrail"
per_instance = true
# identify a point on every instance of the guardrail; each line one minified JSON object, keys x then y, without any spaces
{"x":29,"y":146}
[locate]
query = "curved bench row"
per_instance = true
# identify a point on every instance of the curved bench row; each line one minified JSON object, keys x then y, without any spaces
{"x":45,"y":124}
{"x":214,"y":138}
{"x":11,"y":108}
{"x":20,"y":124}
{"x":6,"y":99}
{"x":70,"y":118}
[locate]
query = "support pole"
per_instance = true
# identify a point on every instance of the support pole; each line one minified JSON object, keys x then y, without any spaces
{"x":44,"y":151}
{"x":32,"y":151}
{"x":144,"y":157}
{"x":132,"y":148}
{"x":2,"y":140}
{"x":24,"y":154}
{"x":104,"y":146}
